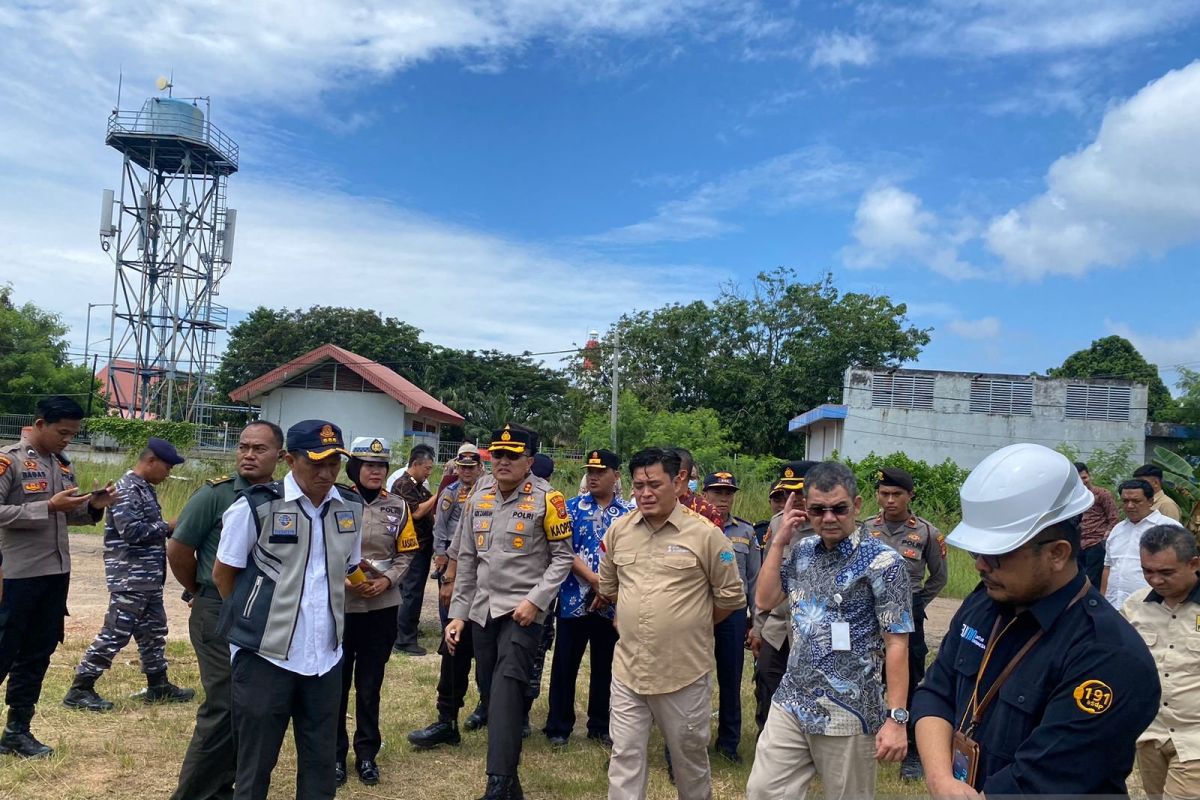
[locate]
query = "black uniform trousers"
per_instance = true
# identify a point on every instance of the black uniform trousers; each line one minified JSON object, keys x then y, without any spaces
{"x":265,"y":699}
{"x":575,"y":634}
{"x":545,"y":645}
{"x":366,"y":647}
{"x":1091,"y":561}
{"x":768,"y":672}
{"x":455,"y":676}
{"x":729,"y":647}
{"x":412,"y":594}
{"x":31,"y":626}
{"x":506,"y":650}
{"x":210,"y":763}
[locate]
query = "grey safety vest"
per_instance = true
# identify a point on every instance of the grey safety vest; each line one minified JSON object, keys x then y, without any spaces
{"x":261,"y":613}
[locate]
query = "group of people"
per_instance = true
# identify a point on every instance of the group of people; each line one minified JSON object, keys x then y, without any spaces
{"x":297,"y":589}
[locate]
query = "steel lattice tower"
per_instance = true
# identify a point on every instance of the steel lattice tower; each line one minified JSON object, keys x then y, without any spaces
{"x":173,"y":243}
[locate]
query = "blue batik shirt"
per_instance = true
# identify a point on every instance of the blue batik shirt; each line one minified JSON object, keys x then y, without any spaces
{"x":841,"y":693}
{"x":589,"y":523}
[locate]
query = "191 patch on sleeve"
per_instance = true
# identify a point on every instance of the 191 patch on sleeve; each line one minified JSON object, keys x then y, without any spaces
{"x":1093,"y":696}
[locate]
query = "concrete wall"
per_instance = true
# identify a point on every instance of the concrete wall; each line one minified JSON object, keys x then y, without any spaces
{"x":356,"y":413}
{"x":824,"y":438}
{"x":951,"y":430}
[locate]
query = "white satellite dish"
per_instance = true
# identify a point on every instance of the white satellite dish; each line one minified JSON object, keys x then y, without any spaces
{"x":162,"y":83}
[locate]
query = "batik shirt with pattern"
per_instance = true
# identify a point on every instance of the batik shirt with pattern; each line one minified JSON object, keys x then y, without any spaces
{"x":589,"y":523}
{"x":840,"y":693}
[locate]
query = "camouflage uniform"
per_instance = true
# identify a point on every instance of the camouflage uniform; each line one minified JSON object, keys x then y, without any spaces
{"x":135,"y":554}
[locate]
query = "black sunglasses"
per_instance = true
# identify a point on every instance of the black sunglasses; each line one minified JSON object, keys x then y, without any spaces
{"x":507,"y":455}
{"x":819,"y":512}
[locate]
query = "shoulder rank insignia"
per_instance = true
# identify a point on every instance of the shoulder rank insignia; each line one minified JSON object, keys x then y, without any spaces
{"x":5,"y":463}
{"x":220,"y":480}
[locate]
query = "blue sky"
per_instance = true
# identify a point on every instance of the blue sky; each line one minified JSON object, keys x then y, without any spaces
{"x":1023,"y":173}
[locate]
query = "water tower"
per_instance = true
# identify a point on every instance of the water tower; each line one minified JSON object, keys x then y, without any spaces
{"x":172,"y":244}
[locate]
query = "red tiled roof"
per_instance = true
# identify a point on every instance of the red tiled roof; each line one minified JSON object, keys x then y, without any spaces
{"x":417,"y":400}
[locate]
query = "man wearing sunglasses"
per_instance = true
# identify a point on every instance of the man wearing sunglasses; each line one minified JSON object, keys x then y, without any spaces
{"x":514,"y":553}
{"x":1040,"y":687}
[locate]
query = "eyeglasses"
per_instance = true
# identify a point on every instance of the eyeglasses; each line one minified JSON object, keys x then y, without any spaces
{"x":840,"y":510}
{"x":507,"y":455}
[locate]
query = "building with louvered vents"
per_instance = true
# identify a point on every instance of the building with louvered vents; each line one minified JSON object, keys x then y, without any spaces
{"x":964,"y":416}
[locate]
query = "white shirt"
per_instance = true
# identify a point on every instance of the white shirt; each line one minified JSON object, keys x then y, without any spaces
{"x":1123,"y":557}
{"x":310,"y":652}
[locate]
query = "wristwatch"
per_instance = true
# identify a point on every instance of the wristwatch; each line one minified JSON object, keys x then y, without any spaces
{"x":898,"y":715}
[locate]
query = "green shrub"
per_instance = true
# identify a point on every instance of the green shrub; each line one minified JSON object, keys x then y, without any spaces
{"x":133,"y":433}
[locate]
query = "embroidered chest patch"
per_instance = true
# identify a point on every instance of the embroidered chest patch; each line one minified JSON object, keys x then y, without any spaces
{"x":345,"y":521}
{"x":283,"y":524}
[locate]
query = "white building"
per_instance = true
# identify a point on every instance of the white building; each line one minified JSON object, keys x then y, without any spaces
{"x":963,"y":416}
{"x":362,"y":397}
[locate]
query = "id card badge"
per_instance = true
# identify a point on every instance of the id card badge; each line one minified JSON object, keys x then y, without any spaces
{"x":965,"y":761}
{"x":841,"y":635}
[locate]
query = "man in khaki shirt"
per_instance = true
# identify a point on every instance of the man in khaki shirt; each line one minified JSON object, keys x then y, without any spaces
{"x":1167,"y":615}
{"x":673,"y":576}
{"x":1162,"y":503}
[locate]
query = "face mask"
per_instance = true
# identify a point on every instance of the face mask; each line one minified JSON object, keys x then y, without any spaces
{"x":692,"y":485}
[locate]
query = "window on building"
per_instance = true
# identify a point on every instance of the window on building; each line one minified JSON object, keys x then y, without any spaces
{"x":901,"y":391}
{"x":1011,"y":398}
{"x":1092,"y":401}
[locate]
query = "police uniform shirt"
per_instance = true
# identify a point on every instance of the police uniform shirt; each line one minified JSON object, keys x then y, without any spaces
{"x":310,"y":653}
{"x":389,"y":544}
{"x":667,"y":583}
{"x":511,"y":549}
{"x":199,"y":524}
{"x":1066,"y":720}
{"x":741,"y":535}
{"x":135,"y":536}
{"x":920,"y":543}
{"x":1173,"y":636}
{"x":33,"y":539}
{"x":449,"y":511}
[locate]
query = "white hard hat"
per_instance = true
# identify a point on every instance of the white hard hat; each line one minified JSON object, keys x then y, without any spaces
{"x":1015,"y":493}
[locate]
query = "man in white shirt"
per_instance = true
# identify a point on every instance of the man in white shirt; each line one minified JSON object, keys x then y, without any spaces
{"x":288,"y":553}
{"x":1122,"y":574}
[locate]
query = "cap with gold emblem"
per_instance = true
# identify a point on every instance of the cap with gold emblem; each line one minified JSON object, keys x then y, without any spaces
{"x":316,"y":438}
{"x":514,"y":439}
{"x":791,"y":476}
{"x":468,"y":456}
{"x":603,"y":459}
{"x":370,"y":448}
{"x":716,"y":479}
{"x":894,"y":476}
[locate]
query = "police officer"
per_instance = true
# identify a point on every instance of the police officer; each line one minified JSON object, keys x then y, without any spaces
{"x":455,"y":667}
{"x":1040,"y":687}
{"x":923,"y":549}
{"x":730,"y":633}
{"x":135,"y":566}
{"x":389,"y":545}
{"x":39,"y":497}
{"x":515,"y":551}
{"x":210,"y":764}
{"x":771,"y":633}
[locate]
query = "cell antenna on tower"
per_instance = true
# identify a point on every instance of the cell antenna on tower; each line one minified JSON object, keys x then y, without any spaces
{"x":172,"y":242}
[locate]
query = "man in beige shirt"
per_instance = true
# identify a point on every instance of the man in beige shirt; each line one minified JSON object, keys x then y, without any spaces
{"x":673,"y":576}
{"x":1167,"y":615}
{"x":1163,"y":504}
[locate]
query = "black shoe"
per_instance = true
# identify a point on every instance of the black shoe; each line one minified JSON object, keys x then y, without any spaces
{"x":441,"y":732}
{"x":732,"y":756}
{"x":557,"y":741}
{"x":18,"y":741}
{"x":476,"y":719}
{"x":86,"y":699}
{"x":368,"y":772}
{"x":166,"y":692}
{"x":339,"y":772}
{"x":910,"y":767}
{"x":602,"y":738}
{"x":411,"y":649}
{"x":502,"y":787}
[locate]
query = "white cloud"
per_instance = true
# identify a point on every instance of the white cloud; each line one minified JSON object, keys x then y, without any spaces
{"x":980,"y":329}
{"x":1132,"y":193}
{"x":891,"y":226}
{"x":1166,"y":352}
{"x":837,"y":49}
{"x":804,"y":176}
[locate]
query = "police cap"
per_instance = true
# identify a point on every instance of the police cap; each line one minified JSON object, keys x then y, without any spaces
{"x":718,"y":479}
{"x":164,"y":451}
{"x":371,"y":448}
{"x":316,"y":438}
{"x":791,"y":476}
{"x":514,"y":439}
{"x":603,"y":459}
{"x":468,"y":456}
{"x":542,"y":466}
{"x":894,"y":476}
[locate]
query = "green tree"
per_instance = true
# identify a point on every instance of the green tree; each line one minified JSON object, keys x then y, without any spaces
{"x":33,"y":359}
{"x":1116,"y":357}
{"x":638,"y":426}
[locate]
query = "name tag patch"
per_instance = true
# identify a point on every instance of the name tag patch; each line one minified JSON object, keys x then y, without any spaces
{"x":283,"y":524}
{"x":345,"y":521}
{"x":973,"y":636}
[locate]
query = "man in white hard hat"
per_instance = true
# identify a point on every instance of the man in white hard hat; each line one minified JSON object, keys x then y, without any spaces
{"x":1039,"y":687}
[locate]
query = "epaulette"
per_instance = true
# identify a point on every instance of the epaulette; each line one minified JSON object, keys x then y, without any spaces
{"x":219,"y":481}
{"x":347,"y":487}
{"x":66,"y":462}
{"x":744,"y":521}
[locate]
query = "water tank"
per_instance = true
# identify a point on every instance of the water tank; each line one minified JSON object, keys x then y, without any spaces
{"x":171,"y":117}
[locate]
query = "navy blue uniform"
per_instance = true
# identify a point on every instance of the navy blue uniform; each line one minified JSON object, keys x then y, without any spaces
{"x":1066,"y":721}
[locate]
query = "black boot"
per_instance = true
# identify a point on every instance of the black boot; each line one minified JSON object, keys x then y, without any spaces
{"x":161,"y":690}
{"x":476,"y":719}
{"x":502,"y":787}
{"x":82,"y":695}
{"x":444,"y":731}
{"x":18,"y":741}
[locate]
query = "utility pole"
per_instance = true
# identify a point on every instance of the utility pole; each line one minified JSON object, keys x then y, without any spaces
{"x":616,"y":368}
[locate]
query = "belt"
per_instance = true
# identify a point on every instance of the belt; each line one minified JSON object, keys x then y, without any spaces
{"x":209,"y":591}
